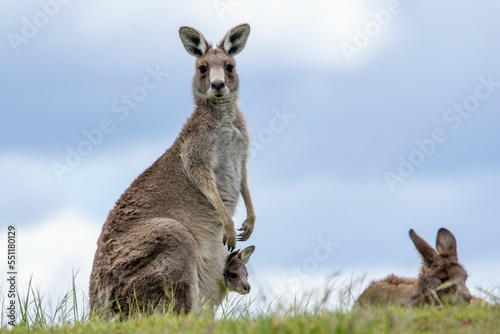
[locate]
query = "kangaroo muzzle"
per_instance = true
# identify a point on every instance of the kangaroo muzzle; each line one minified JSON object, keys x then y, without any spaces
{"x":218,"y":86}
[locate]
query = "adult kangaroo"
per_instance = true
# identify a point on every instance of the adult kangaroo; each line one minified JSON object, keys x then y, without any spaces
{"x":166,"y":241}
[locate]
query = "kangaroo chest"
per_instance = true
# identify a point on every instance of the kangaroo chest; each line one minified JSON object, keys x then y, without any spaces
{"x":231,"y":146}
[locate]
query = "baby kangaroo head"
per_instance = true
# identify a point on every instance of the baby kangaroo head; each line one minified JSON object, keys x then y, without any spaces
{"x":442,"y":279}
{"x":215,"y":78}
{"x":235,"y":272}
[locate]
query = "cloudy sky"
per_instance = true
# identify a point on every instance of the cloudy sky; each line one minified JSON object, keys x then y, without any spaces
{"x":367,"y":118}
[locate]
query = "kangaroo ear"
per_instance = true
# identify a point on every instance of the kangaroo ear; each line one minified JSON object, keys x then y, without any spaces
{"x":235,"y":39}
{"x":232,"y":256}
{"x":428,"y":253}
{"x":446,"y":244}
{"x":245,"y":254}
{"x":193,"y":41}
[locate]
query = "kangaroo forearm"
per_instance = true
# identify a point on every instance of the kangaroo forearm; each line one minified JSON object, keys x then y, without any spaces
{"x":247,"y":198}
{"x":246,"y":229}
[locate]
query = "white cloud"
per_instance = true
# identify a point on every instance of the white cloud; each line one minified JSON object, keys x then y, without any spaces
{"x":27,"y":185}
{"x":52,"y":249}
{"x":309,"y":32}
{"x":289,"y":31}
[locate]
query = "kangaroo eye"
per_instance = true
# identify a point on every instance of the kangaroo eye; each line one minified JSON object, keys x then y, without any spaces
{"x":229,"y":67}
{"x":233,"y":275}
{"x":202,"y":69}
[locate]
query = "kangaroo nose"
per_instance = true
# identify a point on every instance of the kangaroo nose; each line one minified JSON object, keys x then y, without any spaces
{"x":218,"y":85}
{"x":246,"y":288}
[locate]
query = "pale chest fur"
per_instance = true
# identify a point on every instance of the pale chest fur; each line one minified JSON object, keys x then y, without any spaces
{"x":230,"y":151}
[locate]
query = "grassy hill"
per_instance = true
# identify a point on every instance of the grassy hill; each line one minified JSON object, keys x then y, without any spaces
{"x":467,"y":319}
{"x":239,"y":315}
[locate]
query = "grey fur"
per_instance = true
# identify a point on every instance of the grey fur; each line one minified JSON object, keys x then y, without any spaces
{"x":163,"y":242}
{"x":441,"y":279}
{"x":235,"y":272}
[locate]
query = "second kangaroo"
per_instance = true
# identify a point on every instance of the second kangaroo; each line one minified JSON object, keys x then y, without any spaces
{"x":441,"y":279}
{"x":172,"y":228}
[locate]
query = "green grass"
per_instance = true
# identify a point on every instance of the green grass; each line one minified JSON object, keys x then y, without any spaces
{"x":240,"y":315}
{"x":471,"y":319}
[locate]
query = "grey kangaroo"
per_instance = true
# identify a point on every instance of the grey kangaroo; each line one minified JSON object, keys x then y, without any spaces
{"x":168,"y":236}
{"x":441,"y":279}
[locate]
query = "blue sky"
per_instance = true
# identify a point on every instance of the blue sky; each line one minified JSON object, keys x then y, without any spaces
{"x":340,"y":97}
